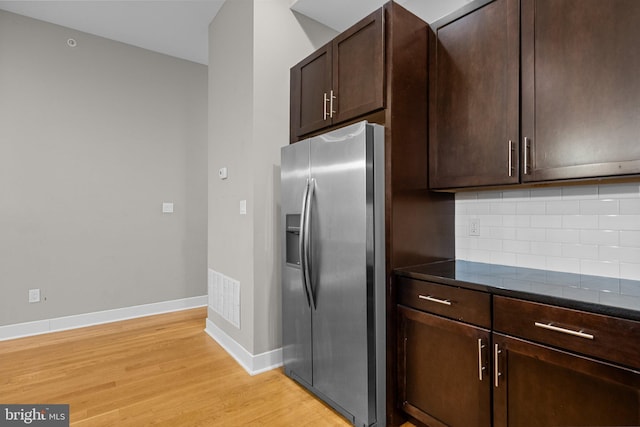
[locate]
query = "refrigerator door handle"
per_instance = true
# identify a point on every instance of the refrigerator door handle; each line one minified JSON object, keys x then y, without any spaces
{"x":301,"y":242}
{"x":307,"y":243}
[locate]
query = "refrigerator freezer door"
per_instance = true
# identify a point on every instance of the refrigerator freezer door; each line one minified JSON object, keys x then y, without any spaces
{"x":296,"y":310}
{"x":341,"y":265}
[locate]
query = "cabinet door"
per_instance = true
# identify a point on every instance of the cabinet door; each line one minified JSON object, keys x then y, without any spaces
{"x":358,"y":69}
{"x":443,"y":376}
{"x":537,"y":386}
{"x":581,"y":92}
{"x":474,"y":110}
{"x":310,"y":88}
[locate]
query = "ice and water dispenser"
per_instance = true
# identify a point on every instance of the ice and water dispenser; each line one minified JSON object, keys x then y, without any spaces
{"x":293,"y":239}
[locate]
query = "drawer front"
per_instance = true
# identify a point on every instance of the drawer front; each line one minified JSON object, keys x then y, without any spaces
{"x":604,"y":337}
{"x":460,"y":304}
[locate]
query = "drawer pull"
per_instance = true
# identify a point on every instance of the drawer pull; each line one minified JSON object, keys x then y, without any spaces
{"x":432,"y":299}
{"x":550,"y":327}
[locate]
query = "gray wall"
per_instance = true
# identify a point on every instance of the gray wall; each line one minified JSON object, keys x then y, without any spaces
{"x":92,"y":140}
{"x":252,"y":45}
{"x":230,"y":144}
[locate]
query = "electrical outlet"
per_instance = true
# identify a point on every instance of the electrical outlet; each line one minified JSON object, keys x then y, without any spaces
{"x":474,"y":227}
{"x":34,"y":295}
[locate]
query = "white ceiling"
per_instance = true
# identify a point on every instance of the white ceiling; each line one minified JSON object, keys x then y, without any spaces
{"x":341,"y":14}
{"x":179,"y":27}
{"x":174,"y":27}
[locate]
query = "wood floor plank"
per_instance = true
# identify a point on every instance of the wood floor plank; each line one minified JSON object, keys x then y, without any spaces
{"x":157,"y":370}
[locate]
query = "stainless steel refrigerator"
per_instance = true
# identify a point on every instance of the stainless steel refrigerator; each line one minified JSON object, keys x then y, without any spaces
{"x":333,"y":274}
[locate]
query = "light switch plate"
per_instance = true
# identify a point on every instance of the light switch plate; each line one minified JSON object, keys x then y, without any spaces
{"x":34,"y":295}
{"x":167,"y":207}
{"x":243,"y":207}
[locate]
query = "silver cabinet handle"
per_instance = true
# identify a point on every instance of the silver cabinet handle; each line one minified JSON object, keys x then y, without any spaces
{"x":324,"y":107}
{"x":432,"y":299}
{"x":480,"y":367}
{"x":496,"y":366}
{"x":510,"y":158}
{"x":331,"y":110}
{"x":527,"y":169}
{"x":550,"y":327}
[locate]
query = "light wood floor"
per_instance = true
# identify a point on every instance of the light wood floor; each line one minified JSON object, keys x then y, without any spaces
{"x":157,"y":370}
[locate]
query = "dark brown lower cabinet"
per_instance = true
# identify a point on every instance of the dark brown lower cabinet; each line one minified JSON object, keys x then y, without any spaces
{"x":539,"y":386}
{"x":444,"y":370}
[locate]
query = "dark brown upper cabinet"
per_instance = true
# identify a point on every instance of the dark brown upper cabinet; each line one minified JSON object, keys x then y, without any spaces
{"x":310,"y":86}
{"x":473,"y":99}
{"x":580,"y":88}
{"x":342,"y":80}
{"x":574,"y":114}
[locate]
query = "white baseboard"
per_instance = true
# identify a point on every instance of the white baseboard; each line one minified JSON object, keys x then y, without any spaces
{"x":252,"y":364}
{"x":26,"y":329}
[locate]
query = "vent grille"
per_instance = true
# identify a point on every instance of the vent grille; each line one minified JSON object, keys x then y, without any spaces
{"x":224,"y":297}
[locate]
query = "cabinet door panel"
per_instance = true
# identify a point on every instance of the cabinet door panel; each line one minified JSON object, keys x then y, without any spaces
{"x":310,"y":83}
{"x":439,"y":374}
{"x":542,"y":387}
{"x":358,"y":69}
{"x":581,"y":92}
{"x":474,"y":98}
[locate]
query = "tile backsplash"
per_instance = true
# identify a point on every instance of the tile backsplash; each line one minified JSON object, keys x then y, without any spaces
{"x":593,"y":230}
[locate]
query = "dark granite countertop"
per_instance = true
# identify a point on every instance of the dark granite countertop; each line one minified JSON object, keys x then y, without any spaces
{"x":604,"y":295}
